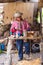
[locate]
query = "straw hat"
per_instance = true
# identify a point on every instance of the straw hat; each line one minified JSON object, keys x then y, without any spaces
{"x":18,"y":14}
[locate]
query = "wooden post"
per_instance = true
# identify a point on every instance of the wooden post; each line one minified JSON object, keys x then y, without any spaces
{"x":9,"y":56}
{"x":41,"y":21}
{"x":41,"y":44}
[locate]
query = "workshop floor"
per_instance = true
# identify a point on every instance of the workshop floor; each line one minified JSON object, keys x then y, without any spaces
{"x":34,"y":60}
{"x":15,"y":59}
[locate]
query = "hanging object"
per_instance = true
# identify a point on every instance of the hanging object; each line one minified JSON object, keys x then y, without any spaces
{"x":38,"y":17}
{"x":1,"y":10}
{"x":1,"y":16}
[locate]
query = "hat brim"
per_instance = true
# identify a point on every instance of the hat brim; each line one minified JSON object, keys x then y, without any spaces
{"x":18,"y":14}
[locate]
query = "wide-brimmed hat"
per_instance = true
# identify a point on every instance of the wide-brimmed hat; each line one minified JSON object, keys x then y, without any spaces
{"x":18,"y":14}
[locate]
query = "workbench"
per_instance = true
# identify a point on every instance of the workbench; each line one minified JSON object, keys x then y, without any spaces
{"x":30,"y":38}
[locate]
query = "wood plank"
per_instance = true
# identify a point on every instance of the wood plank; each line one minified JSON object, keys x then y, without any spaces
{"x":12,"y":38}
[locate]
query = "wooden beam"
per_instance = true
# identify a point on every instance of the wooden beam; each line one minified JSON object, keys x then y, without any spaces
{"x":4,"y":1}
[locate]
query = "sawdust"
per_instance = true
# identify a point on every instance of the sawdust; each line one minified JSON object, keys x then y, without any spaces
{"x":32,"y":62}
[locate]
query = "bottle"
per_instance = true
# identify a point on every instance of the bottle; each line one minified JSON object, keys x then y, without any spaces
{"x":25,"y":35}
{"x":18,"y":34}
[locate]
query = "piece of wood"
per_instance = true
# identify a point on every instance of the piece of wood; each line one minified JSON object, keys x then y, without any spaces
{"x":12,"y":38}
{"x":31,"y":32}
{"x":2,"y":40}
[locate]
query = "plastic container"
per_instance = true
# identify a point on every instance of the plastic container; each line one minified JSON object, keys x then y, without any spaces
{"x":2,"y":46}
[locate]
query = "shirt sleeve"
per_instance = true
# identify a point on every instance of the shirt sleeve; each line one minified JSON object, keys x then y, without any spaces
{"x":12,"y":29}
{"x":25,"y":25}
{"x":28,"y":27}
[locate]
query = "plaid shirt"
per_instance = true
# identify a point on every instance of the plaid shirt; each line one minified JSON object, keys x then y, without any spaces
{"x":19,"y":26}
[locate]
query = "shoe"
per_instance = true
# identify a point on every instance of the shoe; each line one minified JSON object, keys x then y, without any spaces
{"x":20,"y":59}
{"x":27,"y":57}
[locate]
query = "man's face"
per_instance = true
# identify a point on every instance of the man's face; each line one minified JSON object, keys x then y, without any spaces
{"x":18,"y":19}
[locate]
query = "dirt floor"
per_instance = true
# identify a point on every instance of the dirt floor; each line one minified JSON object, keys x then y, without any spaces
{"x":34,"y":60}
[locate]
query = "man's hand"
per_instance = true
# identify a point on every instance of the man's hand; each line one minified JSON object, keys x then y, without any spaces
{"x":11,"y":37}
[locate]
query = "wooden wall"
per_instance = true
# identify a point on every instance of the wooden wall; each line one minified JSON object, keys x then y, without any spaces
{"x":26,"y":8}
